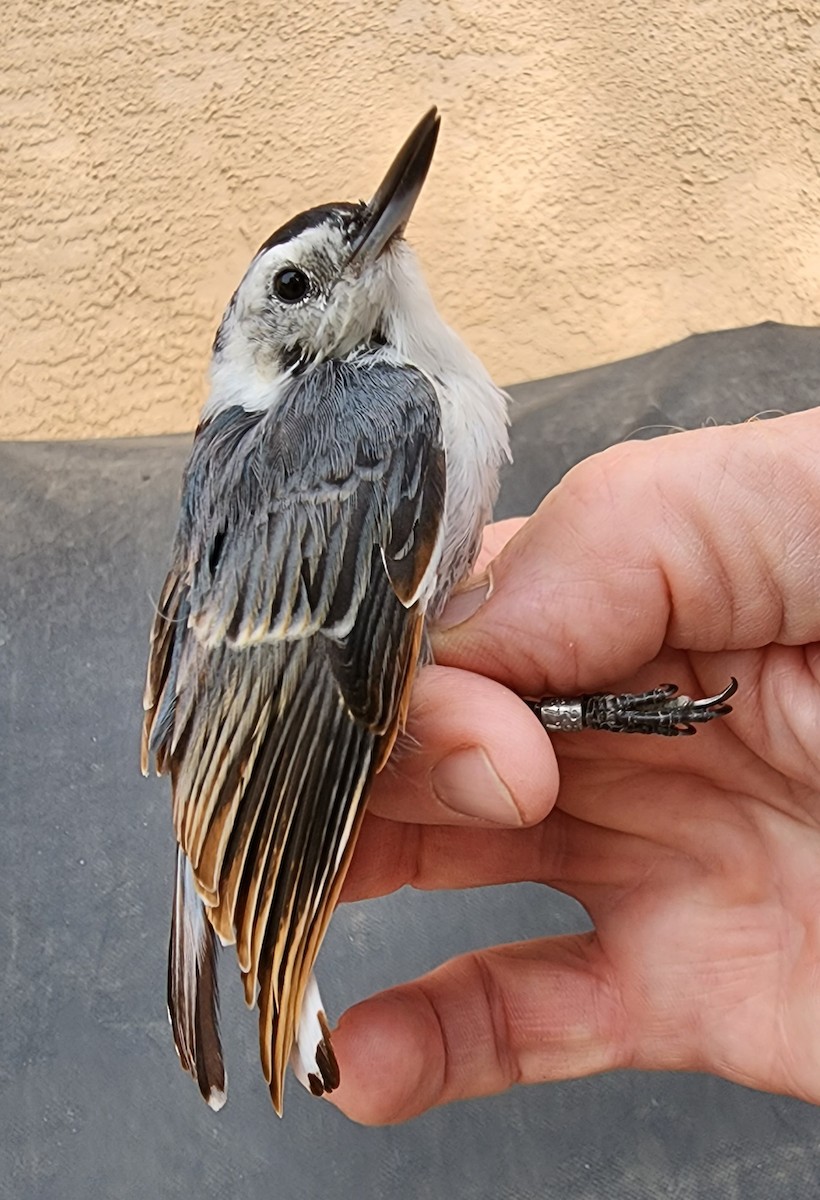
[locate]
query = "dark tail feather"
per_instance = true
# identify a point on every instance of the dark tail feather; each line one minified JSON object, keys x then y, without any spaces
{"x":193,"y":991}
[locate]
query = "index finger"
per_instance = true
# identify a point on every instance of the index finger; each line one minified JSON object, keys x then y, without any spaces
{"x":706,"y":541}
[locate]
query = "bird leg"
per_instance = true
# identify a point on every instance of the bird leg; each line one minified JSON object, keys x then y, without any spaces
{"x":660,"y":710}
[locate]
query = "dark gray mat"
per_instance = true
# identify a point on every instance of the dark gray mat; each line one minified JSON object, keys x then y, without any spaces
{"x":93,"y":1104}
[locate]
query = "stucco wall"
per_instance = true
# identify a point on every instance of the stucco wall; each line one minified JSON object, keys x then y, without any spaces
{"x":610,"y":177}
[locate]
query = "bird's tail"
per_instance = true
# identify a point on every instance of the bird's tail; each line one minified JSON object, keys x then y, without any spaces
{"x":312,"y":1059}
{"x":193,"y":992}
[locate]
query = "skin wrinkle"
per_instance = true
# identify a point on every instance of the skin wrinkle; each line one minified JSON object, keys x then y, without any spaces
{"x":412,"y":849}
{"x":662,"y":1026}
{"x":562,"y":872}
{"x":442,"y":1088}
{"x":774,"y":476}
{"x":606,"y":905}
{"x":422,"y":857}
{"x":750,"y":538}
{"x":804,"y":458}
{"x":772,"y":699}
{"x":738,"y":840}
{"x":420,"y":869}
{"x":591,"y":490}
{"x":508,"y":1063}
{"x":812,"y":655}
{"x":623,"y":766}
{"x":669,"y":784}
{"x":784,"y":703}
{"x":623,"y":1039}
{"x":805,"y":550}
{"x":722,"y":1058}
{"x":769,"y":596}
{"x":529,"y":606}
{"x":503,"y":632}
{"x":762,"y":803}
{"x":616,"y":1024}
{"x":586,"y":956}
{"x":800,"y":792}
{"x":801,"y":554}
{"x":433,"y":863}
{"x":549,"y":848}
{"x":724,"y":981}
{"x":799,"y":890}
{"x":722,"y":602}
{"x":766,"y":598}
{"x":593,"y":487}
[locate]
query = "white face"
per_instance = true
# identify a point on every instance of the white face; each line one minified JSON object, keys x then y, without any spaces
{"x":333,"y":281}
{"x":302,"y":300}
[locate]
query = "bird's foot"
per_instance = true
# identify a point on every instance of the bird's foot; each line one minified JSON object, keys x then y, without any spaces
{"x":660,"y":710}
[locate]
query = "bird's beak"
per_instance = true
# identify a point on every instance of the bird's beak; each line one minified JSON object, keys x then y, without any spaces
{"x":389,"y":210}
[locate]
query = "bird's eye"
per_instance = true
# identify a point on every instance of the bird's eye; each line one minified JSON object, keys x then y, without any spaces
{"x":290,"y":285}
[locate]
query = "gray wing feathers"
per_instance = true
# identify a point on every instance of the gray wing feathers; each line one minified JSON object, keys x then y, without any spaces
{"x":280,"y":516}
{"x":282,"y":652}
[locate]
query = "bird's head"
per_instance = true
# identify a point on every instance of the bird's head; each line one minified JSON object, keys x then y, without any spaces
{"x":332,"y":281}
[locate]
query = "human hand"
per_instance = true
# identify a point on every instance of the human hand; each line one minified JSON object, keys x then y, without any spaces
{"x":688,"y":559}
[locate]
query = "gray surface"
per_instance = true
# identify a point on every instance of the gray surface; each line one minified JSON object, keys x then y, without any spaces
{"x":93,"y":1104}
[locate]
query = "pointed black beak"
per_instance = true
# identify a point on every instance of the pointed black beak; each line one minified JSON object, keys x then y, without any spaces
{"x":389,"y":210}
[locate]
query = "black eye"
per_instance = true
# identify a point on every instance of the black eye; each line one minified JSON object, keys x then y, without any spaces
{"x":290,"y":285}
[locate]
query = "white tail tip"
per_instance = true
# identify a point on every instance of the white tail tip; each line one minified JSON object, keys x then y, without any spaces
{"x":312,"y":1059}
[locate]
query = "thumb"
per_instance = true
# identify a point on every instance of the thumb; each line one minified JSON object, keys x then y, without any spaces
{"x":523,"y":1013}
{"x":706,"y":540}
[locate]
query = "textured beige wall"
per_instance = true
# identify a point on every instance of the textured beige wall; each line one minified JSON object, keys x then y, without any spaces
{"x":610,"y":177}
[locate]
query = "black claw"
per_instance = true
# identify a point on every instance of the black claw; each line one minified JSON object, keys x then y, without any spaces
{"x":718,"y":701}
{"x":660,"y":711}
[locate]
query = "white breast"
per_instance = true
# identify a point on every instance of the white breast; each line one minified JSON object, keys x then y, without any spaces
{"x":473,"y":413}
{"x":474,"y":420}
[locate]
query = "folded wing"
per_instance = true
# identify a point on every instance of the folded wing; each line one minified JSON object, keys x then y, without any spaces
{"x":282,"y":655}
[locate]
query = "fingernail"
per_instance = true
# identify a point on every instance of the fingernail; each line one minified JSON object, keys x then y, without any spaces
{"x":466,"y":782}
{"x":465,"y":602}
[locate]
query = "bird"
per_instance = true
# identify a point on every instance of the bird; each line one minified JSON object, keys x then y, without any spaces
{"x":345,"y":464}
{"x":343,"y":469}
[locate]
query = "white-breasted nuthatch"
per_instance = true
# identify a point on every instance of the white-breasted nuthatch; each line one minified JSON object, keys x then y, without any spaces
{"x":345,"y":466}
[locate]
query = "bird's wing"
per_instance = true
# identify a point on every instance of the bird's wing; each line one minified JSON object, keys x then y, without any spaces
{"x":283,"y":651}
